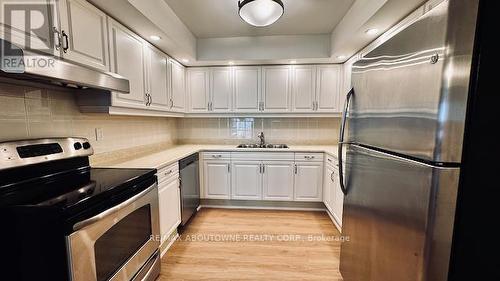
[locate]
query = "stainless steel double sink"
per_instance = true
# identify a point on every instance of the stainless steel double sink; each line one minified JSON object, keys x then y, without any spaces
{"x":253,"y":145}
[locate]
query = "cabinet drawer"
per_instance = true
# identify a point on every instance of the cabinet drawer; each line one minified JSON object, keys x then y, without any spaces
{"x":330,"y":160}
{"x":216,"y":155}
{"x":313,"y":157}
{"x":168,"y":172}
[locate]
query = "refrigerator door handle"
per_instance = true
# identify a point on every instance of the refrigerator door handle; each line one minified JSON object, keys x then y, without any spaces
{"x":341,"y":139}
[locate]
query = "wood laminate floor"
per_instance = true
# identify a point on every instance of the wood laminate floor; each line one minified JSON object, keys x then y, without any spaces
{"x":229,"y":244}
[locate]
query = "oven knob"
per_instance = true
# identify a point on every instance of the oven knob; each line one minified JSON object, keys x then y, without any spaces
{"x":77,"y":145}
{"x":86,"y":145}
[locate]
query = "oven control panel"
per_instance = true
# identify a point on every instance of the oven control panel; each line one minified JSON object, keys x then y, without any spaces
{"x":27,"y":152}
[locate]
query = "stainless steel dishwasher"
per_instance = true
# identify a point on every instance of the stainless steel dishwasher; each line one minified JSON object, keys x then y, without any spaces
{"x":190,"y":187}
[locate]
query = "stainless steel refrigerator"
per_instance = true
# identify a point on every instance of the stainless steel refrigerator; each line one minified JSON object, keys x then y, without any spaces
{"x":400,"y":155}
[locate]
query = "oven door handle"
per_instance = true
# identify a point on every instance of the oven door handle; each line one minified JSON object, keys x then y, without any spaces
{"x":79,"y":225}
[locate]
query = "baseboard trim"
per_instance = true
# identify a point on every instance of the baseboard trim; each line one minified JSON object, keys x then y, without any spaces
{"x":262,"y":205}
{"x":171,"y":238}
{"x":339,"y":228}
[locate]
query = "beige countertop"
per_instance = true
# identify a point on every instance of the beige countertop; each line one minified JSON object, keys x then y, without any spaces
{"x":160,"y":159}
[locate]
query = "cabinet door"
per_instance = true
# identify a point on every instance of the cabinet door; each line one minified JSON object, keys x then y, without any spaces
{"x":42,"y":39}
{"x":303,"y":88}
{"x":337,"y":199}
{"x":169,"y":207}
{"x":198,"y":86}
{"x":278,"y":181}
{"x":247,"y":81}
{"x":217,"y":179}
{"x":328,"y":88}
{"x":276,"y":88}
{"x":246,"y":180}
{"x":157,"y":79}
{"x":178,"y":86}
{"x":128,"y":60}
{"x":85,"y":31}
{"x":328,"y":188}
{"x":221,"y":89}
{"x":309,"y":181}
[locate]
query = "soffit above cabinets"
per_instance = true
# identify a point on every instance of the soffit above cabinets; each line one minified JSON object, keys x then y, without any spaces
{"x":210,"y":32}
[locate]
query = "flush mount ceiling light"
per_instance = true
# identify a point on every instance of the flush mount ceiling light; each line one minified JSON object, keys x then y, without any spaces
{"x":155,"y":37}
{"x":260,"y":12}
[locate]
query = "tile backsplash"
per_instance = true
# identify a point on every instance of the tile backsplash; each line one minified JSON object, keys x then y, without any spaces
{"x":27,"y":112}
{"x":245,"y":130}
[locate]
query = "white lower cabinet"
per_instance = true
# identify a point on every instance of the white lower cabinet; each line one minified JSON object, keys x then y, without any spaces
{"x":308,"y":181}
{"x":263,"y":176}
{"x":333,"y":197}
{"x":328,"y":187}
{"x":337,"y":199}
{"x":217,"y":179}
{"x":278,"y":181}
{"x":246,"y":180}
{"x":170,"y":208}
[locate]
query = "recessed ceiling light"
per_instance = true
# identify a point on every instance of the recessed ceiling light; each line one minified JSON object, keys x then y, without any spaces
{"x":260,"y":12}
{"x":371,"y":31}
{"x":155,"y":37}
{"x":293,"y":61}
{"x":231,"y":63}
{"x":185,"y":60}
{"x":341,"y":57}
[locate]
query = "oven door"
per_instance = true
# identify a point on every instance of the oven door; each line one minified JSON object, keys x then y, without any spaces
{"x":117,"y":243}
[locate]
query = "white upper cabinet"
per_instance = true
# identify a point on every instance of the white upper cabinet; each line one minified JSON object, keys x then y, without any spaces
{"x":247,"y":80}
{"x":128,"y":59}
{"x":303,"y":88}
{"x":246,"y":180}
{"x":278,"y":180}
{"x":177,"y":79}
{"x":217,"y":179}
{"x":309,"y":181}
{"x":84,"y":33}
{"x":157,"y":79}
{"x":46,"y":38}
{"x":198,"y":89}
{"x":328,"y":88}
{"x":276,"y":88}
{"x":221,"y":89}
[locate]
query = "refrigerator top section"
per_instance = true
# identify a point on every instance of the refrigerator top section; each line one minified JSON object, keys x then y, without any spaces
{"x":411,"y":91}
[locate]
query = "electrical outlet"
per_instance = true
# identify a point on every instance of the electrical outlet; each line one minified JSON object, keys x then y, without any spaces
{"x":98,"y":134}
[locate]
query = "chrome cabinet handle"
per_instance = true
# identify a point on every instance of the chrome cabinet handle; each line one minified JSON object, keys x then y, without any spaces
{"x":171,"y":103}
{"x":263,"y":168}
{"x":295,"y":169}
{"x":309,"y":157}
{"x":341,"y":139}
{"x":168,"y":172}
{"x":216,"y":156}
{"x":229,"y":168}
{"x":57,"y":35}
{"x":66,"y":41}
{"x":331,"y":176}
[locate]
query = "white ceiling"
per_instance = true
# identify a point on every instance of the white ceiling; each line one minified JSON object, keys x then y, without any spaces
{"x":210,"y":32}
{"x":219,"y":18}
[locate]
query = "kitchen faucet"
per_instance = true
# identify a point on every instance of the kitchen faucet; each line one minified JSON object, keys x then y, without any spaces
{"x":262,"y":138}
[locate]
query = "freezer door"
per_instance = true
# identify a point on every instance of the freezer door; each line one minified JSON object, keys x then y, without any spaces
{"x":411,"y":91}
{"x":398,"y":218}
